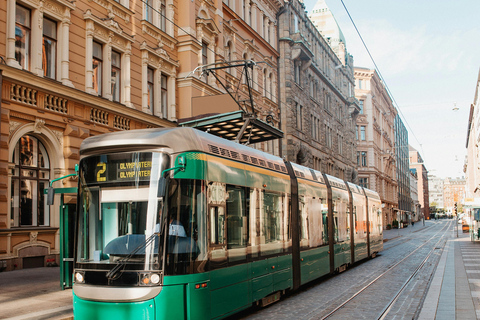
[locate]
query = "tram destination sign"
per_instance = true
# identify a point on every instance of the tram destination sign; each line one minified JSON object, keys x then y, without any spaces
{"x":117,"y":168}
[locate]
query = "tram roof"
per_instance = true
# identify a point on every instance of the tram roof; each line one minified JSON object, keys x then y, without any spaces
{"x":179,"y":139}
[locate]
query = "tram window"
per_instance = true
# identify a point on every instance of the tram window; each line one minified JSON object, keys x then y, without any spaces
{"x":303,"y":209}
{"x":237,"y":224}
{"x":272,"y":223}
{"x":315,"y":223}
{"x":237,"y":220}
{"x":325,"y":227}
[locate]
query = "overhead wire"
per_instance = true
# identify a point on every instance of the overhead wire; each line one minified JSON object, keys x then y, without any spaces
{"x":380,"y":75}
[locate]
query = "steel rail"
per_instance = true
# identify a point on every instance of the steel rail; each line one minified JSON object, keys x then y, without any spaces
{"x":383,"y":274}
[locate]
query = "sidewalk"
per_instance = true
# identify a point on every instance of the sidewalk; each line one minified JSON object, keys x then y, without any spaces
{"x":455,"y":289}
{"x":34,"y":294}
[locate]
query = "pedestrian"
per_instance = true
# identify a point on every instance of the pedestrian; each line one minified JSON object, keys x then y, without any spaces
{"x":413,"y":222}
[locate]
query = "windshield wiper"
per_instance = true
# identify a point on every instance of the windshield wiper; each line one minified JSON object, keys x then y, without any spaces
{"x":115,"y":272}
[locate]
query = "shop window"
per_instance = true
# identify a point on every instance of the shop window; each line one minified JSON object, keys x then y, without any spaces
{"x":30,"y":177}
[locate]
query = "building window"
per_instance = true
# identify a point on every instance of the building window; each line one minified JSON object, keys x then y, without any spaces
{"x":361,"y":106}
{"x":49,"y":48}
{"x":297,"y":72}
{"x":163,"y":13}
{"x":204,"y":58}
{"x":164,"y":96}
{"x":149,"y":10}
{"x":363,"y":182}
{"x":116,"y":70}
{"x":340,"y":144}
{"x":150,"y":89}
{"x":362,"y":158}
{"x":362,"y":133}
{"x":97,"y":62}
{"x":30,"y":178}
{"x":299,"y":116}
{"x":22,"y":36}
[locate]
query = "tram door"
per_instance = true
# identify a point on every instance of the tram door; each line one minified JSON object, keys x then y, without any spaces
{"x":67,"y":213}
{"x":67,"y":232}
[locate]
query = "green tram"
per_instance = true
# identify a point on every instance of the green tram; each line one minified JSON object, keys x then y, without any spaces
{"x":179,"y":224}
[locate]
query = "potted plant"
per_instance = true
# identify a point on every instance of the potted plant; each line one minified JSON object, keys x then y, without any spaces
{"x":395,"y":224}
{"x":389,"y":226}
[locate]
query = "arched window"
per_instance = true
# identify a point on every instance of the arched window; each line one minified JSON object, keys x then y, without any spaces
{"x":30,"y":177}
{"x":228,"y":55}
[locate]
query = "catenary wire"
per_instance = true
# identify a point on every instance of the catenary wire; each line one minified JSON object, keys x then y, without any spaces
{"x":379,"y":73}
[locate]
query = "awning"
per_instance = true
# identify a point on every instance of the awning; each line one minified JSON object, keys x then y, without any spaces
{"x":232,"y":125}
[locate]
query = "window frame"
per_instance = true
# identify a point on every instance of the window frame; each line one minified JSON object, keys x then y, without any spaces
{"x":54,"y":40}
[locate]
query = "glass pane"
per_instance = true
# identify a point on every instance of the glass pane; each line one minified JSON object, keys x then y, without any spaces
{"x":97,"y":76}
{"x":27,"y":192}
{"x":115,"y":84}
{"x":150,"y":75}
{"x":44,"y":174}
{"x":115,"y":59}
{"x":14,"y":201}
{"x":48,"y":57}
{"x":272,"y":217}
{"x":118,"y":215}
{"x":97,"y":50}
{"x":49,"y":28}
{"x":150,"y":96}
{"x":149,"y":11}
{"x":29,"y":173}
{"x":28,"y":154}
{"x":22,"y":41}
{"x":43,"y":217}
{"x":43,"y":160}
{"x":22,"y":16}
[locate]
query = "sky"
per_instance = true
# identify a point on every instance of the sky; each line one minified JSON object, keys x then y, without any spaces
{"x":428,"y":54}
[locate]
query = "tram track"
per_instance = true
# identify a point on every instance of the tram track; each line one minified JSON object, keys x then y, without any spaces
{"x":386,"y":309}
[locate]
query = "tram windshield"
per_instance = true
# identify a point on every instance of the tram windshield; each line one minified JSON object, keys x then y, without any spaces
{"x":120,"y":211}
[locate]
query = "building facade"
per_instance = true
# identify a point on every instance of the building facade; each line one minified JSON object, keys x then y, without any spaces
{"x":403,"y":170}
{"x":222,"y":34}
{"x":71,"y":70}
{"x":317,"y":104}
{"x":453,"y":194}
{"x":376,"y":153}
{"x":471,"y":168}
{"x":435,"y":190}
{"x":418,"y":167}
{"x":415,"y":205}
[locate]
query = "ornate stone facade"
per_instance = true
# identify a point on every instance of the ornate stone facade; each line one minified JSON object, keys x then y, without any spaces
{"x":317,"y":100}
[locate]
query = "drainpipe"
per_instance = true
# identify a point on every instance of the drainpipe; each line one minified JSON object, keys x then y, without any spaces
{"x":281,"y":11}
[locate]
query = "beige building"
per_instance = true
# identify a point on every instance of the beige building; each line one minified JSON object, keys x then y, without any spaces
{"x":471,"y":168}
{"x":317,"y":102}
{"x":70,"y":70}
{"x":417,"y":166}
{"x":376,"y":141}
{"x":453,"y":194}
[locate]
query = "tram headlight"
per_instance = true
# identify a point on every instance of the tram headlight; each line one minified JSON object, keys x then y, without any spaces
{"x":155,"y":278}
{"x":79,"y":277}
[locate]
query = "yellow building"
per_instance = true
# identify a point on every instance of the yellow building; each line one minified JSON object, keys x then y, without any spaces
{"x":70,"y":70}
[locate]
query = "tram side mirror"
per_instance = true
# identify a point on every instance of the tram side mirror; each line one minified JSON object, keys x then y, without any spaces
{"x":50,"y":196}
{"x":162,"y":186}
